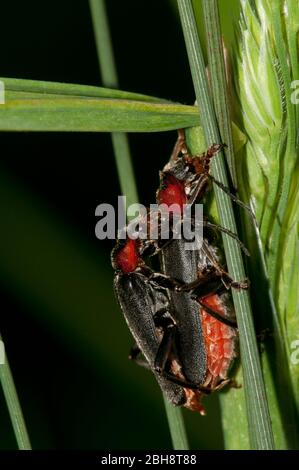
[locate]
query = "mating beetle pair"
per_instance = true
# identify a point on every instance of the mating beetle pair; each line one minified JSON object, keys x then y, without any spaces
{"x":180,"y":319}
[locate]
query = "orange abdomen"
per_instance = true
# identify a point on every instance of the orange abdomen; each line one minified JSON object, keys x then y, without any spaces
{"x":219,"y":341}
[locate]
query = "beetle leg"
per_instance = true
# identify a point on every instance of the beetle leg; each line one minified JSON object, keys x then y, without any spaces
{"x":223,"y":384}
{"x":209,"y":285}
{"x":225,"y":277}
{"x":233,"y":235}
{"x":199,"y":189}
{"x":217,"y":315}
{"x":179,"y":146}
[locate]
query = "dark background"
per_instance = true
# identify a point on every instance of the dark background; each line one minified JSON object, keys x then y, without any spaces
{"x":64,"y":334}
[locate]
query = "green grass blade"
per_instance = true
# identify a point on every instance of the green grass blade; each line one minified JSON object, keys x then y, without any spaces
{"x":125,"y":170}
{"x":13,"y":404}
{"x":218,"y":81}
{"x":106,"y":60}
{"x":50,"y":106}
{"x":103,"y":43}
{"x":259,"y":423}
{"x":176,"y":427}
{"x":29,"y":89}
